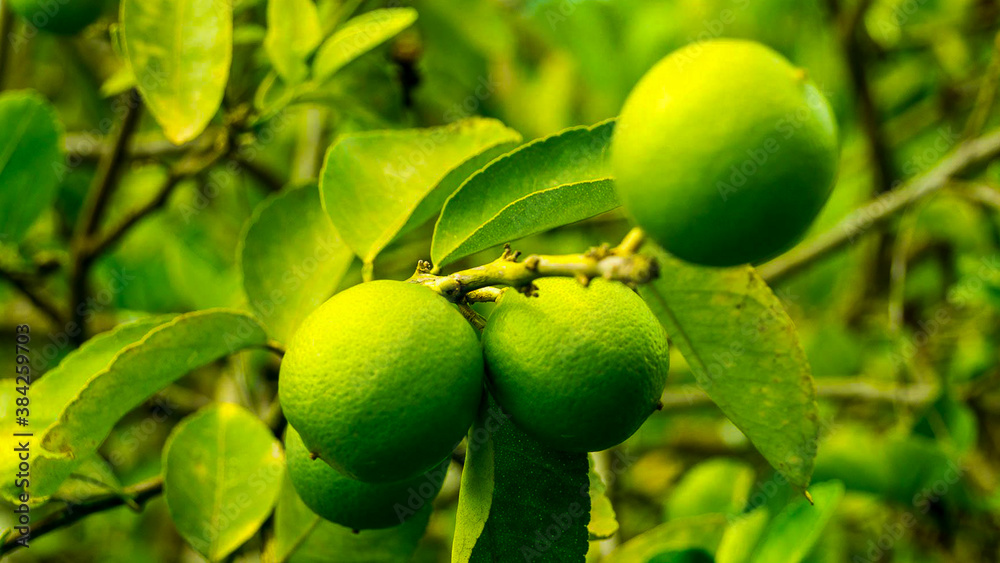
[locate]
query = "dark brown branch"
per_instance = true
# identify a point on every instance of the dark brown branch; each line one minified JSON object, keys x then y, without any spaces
{"x":852,"y":38}
{"x":40,"y":301}
{"x":6,"y":27}
{"x":265,"y":177}
{"x":85,"y":146}
{"x":115,"y":233}
{"x":109,"y":168}
{"x":105,"y":179}
{"x":135,"y":496}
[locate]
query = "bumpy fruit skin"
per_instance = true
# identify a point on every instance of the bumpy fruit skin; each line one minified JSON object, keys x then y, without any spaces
{"x":579,"y":368}
{"x":63,"y":17}
{"x":725,"y":153}
{"x":356,"y":504}
{"x":383,"y":380}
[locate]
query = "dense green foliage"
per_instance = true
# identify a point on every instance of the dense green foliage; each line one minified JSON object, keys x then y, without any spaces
{"x":192,"y":193}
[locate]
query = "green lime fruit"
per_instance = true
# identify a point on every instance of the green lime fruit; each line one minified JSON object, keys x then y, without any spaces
{"x":382,"y":380}
{"x":579,"y":368}
{"x":63,"y":17}
{"x":725,"y":153}
{"x":352,"y":503}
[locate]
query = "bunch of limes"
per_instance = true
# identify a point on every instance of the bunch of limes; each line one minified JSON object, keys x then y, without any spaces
{"x":383,"y":380}
{"x":724,"y":153}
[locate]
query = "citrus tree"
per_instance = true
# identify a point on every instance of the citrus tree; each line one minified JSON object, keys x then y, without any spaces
{"x":270,"y":297}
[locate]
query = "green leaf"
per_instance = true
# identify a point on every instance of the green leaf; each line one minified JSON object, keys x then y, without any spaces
{"x":300,"y":536}
{"x":56,"y":389}
{"x":699,"y":532}
{"x":293,"y":32}
{"x":540,"y":502}
{"x":358,"y":36}
{"x":476,"y":494}
{"x":222,"y":471}
{"x":603,"y":522}
{"x":719,"y":486}
{"x":536,"y":213}
{"x":741,"y":343}
{"x":180,"y":52}
{"x":793,"y":531}
{"x":60,"y":385}
{"x":30,"y":161}
{"x":541,"y":185}
{"x":292,"y":259}
{"x":84,"y":416}
{"x":741,"y":536}
{"x":373,"y":182}
{"x":684,"y":556}
{"x":93,"y":477}
{"x":433,"y":202}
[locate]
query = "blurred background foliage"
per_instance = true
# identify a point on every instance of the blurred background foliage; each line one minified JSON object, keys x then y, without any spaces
{"x":901,"y":327}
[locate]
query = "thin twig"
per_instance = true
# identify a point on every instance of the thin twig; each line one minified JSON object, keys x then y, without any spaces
{"x":6,"y":26}
{"x":840,"y":389}
{"x":265,"y":177}
{"x":114,"y":234}
{"x":136,"y":495}
{"x":470,"y":314}
{"x":985,"y":96}
{"x":863,"y":220}
{"x":108,"y":169}
{"x":181,"y":172}
{"x":85,"y":146}
{"x":105,"y":180}
{"x":40,"y":301}
{"x":850,"y":32}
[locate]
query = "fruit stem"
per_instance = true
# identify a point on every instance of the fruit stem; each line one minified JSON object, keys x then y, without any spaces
{"x":470,"y":314}
{"x":620,"y":263}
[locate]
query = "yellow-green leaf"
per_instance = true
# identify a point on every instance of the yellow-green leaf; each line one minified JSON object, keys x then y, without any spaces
{"x":180,"y":52}
{"x":541,"y":185}
{"x":358,"y":36}
{"x":97,"y":394}
{"x":793,"y":531}
{"x":740,"y":342}
{"x":603,"y":521}
{"x":222,"y":471}
{"x":373,"y":182}
{"x":293,"y":32}
{"x":292,"y":259}
{"x":699,"y":532}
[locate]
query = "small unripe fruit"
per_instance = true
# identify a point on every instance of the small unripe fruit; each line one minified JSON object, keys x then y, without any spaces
{"x":579,"y":368}
{"x":352,"y":503}
{"x":725,"y":153}
{"x":383,"y":380}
